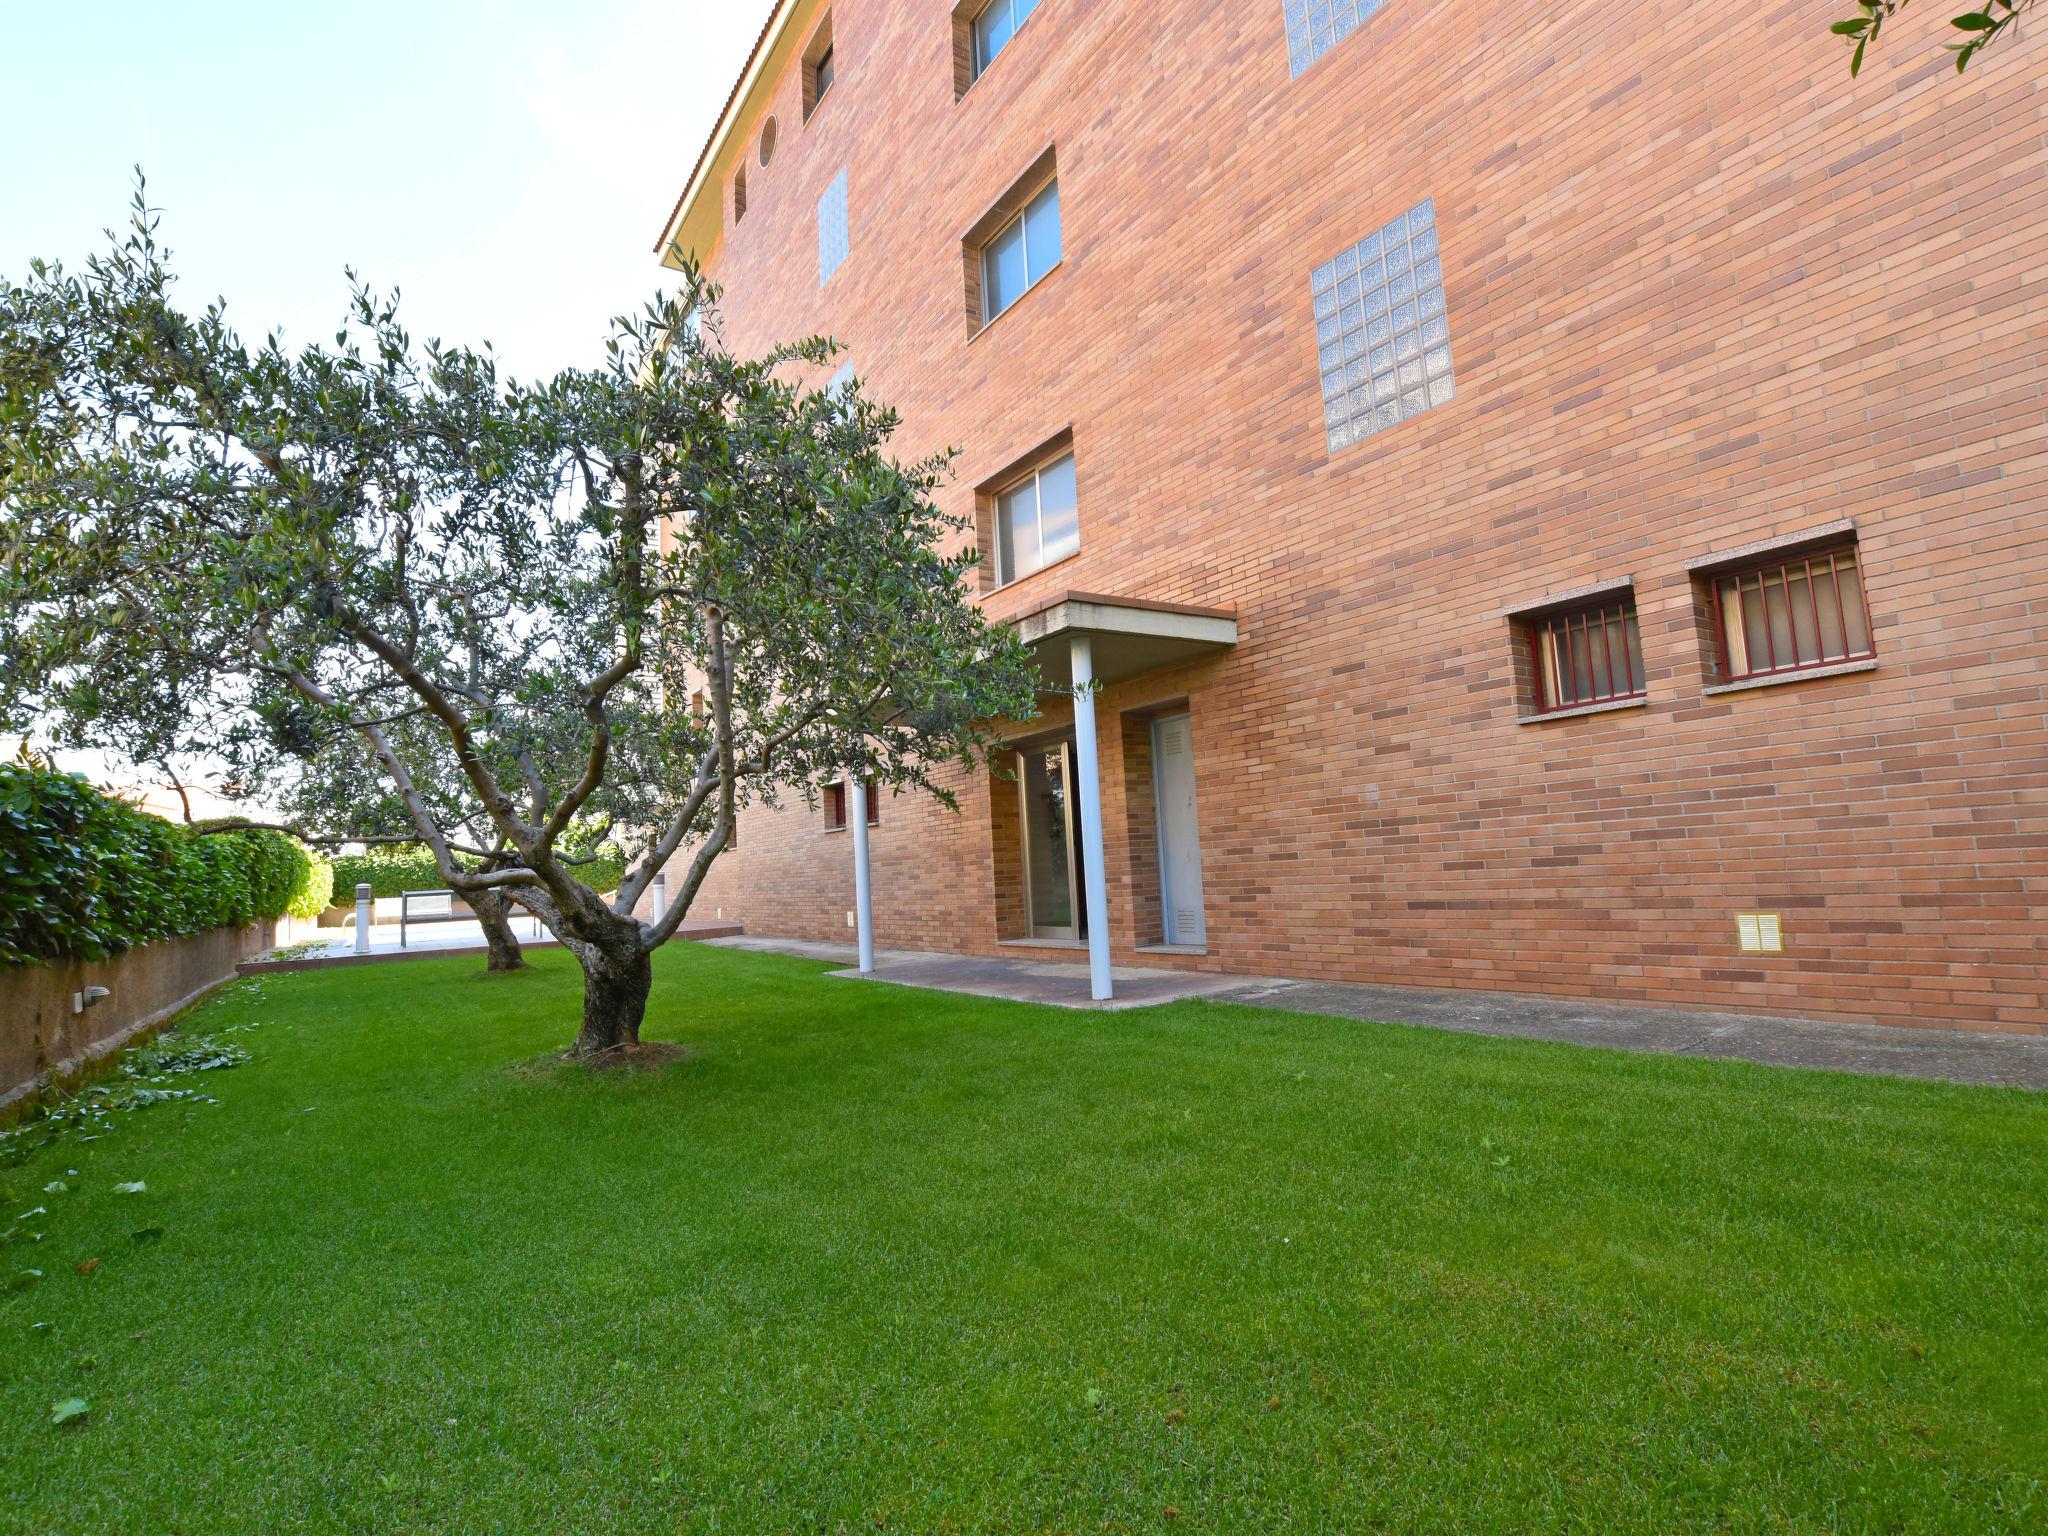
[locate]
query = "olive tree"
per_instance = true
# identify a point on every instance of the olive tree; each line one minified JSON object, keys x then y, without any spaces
{"x":1979,"y":28}
{"x":631,"y":598}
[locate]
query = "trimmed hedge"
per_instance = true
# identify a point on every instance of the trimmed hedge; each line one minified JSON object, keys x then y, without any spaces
{"x":315,"y":890}
{"x":410,"y":867}
{"x":83,"y":877}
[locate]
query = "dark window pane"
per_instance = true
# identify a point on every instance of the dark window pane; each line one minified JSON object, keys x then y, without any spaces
{"x":1003,"y":271}
{"x":1756,"y":631}
{"x":1042,"y":232}
{"x":1799,"y":596}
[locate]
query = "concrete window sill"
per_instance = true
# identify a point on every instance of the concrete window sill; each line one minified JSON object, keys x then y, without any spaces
{"x":1042,"y":943}
{"x":1804,"y":675}
{"x":1173,"y":949}
{"x":1609,"y":707}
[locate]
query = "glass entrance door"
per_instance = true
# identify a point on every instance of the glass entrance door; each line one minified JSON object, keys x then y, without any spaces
{"x":1052,"y":842}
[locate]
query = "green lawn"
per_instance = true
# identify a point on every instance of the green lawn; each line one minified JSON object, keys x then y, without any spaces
{"x":877,"y":1259}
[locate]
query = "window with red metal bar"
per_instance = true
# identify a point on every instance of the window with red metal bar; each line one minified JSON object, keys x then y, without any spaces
{"x":837,"y":799}
{"x":1589,"y":655}
{"x":1793,"y":614}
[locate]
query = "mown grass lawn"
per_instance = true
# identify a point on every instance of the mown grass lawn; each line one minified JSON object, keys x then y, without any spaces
{"x":876,"y":1259}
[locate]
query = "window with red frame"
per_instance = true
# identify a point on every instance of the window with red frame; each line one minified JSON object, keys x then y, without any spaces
{"x":1587,"y":655}
{"x":1792,"y":615}
{"x":836,"y":798}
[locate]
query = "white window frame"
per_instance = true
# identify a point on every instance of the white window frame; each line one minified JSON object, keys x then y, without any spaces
{"x":988,"y":246}
{"x":1034,"y":478}
{"x":981,"y":65}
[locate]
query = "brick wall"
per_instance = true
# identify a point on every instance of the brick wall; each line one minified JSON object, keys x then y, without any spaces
{"x":1703,"y":290}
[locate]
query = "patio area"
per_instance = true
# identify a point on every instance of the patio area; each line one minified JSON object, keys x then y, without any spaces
{"x":423,"y":941}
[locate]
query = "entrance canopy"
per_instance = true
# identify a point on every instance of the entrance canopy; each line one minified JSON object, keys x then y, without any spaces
{"x":1078,"y":638}
{"x":1126,"y":635}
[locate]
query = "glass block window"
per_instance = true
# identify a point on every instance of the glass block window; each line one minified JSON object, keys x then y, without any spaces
{"x":995,"y":26}
{"x":1037,"y":521}
{"x":837,"y":384}
{"x":1792,"y":614}
{"x":1314,"y":27}
{"x":1021,"y":253}
{"x":832,"y":228}
{"x":1590,"y":655}
{"x":1380,"y":324}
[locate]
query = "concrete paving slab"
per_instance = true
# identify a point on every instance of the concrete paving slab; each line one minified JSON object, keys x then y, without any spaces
{"x":1884,"y":1050}
{"x":1060,"y":984}
{"x":1945,"y":1055}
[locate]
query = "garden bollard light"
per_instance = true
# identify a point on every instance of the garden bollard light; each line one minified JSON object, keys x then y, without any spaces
{"x":362,"y":919}
{"x":660,"y":896}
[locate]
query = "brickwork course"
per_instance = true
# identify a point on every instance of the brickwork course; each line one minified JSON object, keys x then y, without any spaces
{"x":1704,"y":293}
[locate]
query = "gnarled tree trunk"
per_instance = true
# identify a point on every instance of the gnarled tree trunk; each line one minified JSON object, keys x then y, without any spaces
{"x":494,"y":916}
{"x":617,"y":973}
{"x":614,"y":1001}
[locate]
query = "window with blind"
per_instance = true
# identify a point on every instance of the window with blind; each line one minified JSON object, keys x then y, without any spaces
{"x":1791,"y":615}
{"x":1587,"y":655}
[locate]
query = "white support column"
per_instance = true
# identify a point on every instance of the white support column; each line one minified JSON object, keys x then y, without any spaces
{"x":1087,"y":769}
{"x":863,"y":887}
{"x":363,"y":900}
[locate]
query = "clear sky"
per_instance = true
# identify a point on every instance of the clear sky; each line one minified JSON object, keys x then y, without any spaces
{"x":508,"y":165}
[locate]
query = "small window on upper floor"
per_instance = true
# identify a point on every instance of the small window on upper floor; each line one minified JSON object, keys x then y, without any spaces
{"x":1014,"y":244}
{"x":1037,"y":520}
{"x":833,"y":239}
{"x":1314,"y":27}
{"x":820,"y":69}
{"x":739,"y":194}
{"x":1021,"y":253}
{"x":995,"y":26}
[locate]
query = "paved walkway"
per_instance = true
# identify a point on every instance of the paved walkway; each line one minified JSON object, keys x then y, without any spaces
{"x":1947,"y":1055}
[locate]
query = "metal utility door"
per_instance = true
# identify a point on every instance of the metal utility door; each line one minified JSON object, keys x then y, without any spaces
{"x":1180,"y":838}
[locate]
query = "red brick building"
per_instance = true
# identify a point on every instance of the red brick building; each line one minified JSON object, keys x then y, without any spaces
{"x":1557,"y":496}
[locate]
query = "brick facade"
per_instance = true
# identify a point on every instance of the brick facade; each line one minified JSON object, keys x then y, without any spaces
{"x":1703,"y":291}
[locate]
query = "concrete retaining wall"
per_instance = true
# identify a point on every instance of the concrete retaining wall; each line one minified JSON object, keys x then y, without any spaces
{"x":41,"y":1038}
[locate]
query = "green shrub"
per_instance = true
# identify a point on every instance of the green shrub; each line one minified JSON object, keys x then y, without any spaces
{"x":410,"y":867}
{"x":83,"y":876}
{"x":315,"y":890}
{"x":387,"y":871}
